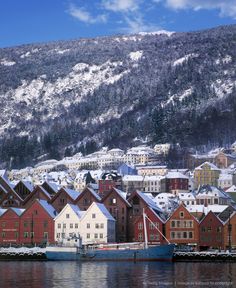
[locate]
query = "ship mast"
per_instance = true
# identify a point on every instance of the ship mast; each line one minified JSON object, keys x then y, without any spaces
{"x":145,"y":230}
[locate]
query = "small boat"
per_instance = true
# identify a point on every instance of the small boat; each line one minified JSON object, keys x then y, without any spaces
{"x":114,"y":252}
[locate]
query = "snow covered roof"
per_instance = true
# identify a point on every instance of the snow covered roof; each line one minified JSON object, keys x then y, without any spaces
{"x":53,"y":186}
{"x":231,"y":189}
{"x":148,"y":201}
{"x":94,"y":194}
{"x":174,"y":175}
{"x":211,"y":191}
{"x":48,"y":207}
{"x":133,"y":178}
{"x":123,"y":195}
{"x":212,"y":166}
{"x":216,"y":208}
{"x":104,"y":210}
{"x":195,"y":208}
{"x":186,"y":196}
{"x":72,"y":193}
{"x":224,"y":176}
{"x":2,"y":211}
{"x":18,"y":211}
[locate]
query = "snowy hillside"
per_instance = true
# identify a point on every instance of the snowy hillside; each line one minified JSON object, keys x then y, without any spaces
{"x":63,"y":97}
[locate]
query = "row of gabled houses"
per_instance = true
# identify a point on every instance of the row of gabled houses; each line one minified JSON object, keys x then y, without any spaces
{"x":45,"y":220}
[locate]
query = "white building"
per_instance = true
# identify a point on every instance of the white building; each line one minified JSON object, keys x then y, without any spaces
{"x":67,"y":224}
{"x":97,"y":225}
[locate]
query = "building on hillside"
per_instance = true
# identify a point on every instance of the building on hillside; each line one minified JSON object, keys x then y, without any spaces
{"x":131,"y":183}
{"x":182,"y":227}
{"x":224,"y":160}
{"x":11,"y":199}
{"x":176,"y":183}
{"x":108,"y":181}
{"x":210,"y":195}
{"x":97,"y":225}
{"x":232,"y":192}
{"x":187,"y":199}
{"x":151,"y":170}
{"x":125,"y":169}
{"x":166,"y":201}
{"x":211,"y":232}
{"x":162,"y":148}
{"x":116,"y":203}
{"x":154,"y":184}
{"x":226,"y":180}
{"x":206,"y":173}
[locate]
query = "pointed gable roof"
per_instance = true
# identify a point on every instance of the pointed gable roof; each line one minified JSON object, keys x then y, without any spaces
{"x":211,"y":213}
{"x":90,"y":190}
{"x":224,"y":215}
{"x":178,"y":208}
{"x":37,"y":189}
{"x":102,"y":209}
{"x":120,"y":194}
{"x":73,"y":207}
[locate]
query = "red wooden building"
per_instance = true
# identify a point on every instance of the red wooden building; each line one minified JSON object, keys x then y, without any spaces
{"x":64,"y":196}
{"x":37,"y":223}
{"x":10,"y":225}
{"x":86,"y":198}
{"x":116,"y":203}
{"x":155,"y":228}
{"x":211,"y":232}
{"x":176,"y":182}
{"x":182,"y":227}
{"x":38,"y":193}
{"x":139,"y":203}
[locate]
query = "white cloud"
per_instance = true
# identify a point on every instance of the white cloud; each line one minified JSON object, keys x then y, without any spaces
{"x":84,"y":16}
{"x":121,"y":5}
{"x":136,"y":24}
{"x":226,"y":7}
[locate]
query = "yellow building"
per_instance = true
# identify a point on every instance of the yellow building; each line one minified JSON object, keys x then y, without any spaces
{"x":206,"y":173}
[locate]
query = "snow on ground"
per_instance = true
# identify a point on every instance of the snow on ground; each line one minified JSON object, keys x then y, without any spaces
{"x":223,"y":87}
{"x":135,"y":56}
{"x":161,"y":32}
{"x":227,"y":59}
{"x":6,"y":62}
{"x":184,"y":59}
{"x":61,"y":51}
{"x":179,"y":96}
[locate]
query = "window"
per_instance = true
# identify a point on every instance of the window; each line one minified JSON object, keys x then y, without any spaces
{"x":35,"y":212}
{"x":140,"y":237}
{"x":181,"y":214}
{"x":190,"y":235}
{"x":102,"y":225}
{"x":93,"y":216}
{"x":67,"y":216}
{"x":88,"y":236}
{"x":76,"y":225}
{"x":140,"y":226}
{"x":95,"y":236}
{"x":31,"y":235}
{"x":71,"y":225}
{"x":184,"y":235}
{"x":88,"y":225}
{"x":58,"y":235}
{"x":209,"y":229}
{"x":64,"y":225}
{"x":97,"y":226}
{"x":203,"y":229}
{"x":3,"y":224}
{"x":59,"y":225}
{"x":218,"y":229}
{"x":16,"y":235}
{"x":172,"y":235}
{"x":45,"y":235}
{"x":16,"y":224}
{"x":101,"y":235}
{"x":25,"y":224}
{"x":172,"y":223}
{"x":26,"y":234}
{"x":178,"y":223}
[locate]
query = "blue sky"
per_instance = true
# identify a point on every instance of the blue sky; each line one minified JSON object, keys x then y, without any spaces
{"x":30,"y":21}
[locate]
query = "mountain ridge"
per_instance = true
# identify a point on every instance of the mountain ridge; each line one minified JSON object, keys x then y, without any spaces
{"x":63,"y":97}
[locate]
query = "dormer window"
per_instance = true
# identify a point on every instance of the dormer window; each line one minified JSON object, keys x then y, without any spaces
{"x":181,"y":214}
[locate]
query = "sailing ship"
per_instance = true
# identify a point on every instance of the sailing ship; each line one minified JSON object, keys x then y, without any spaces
{"x":137,"y":251}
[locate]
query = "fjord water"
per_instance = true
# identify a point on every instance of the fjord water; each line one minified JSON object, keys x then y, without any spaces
{"x":116,"y":274}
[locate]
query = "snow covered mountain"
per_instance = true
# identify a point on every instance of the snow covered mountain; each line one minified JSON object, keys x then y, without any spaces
{"x":63,"y":97}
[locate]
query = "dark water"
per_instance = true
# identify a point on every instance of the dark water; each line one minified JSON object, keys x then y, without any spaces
{"x":114,"y":274}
